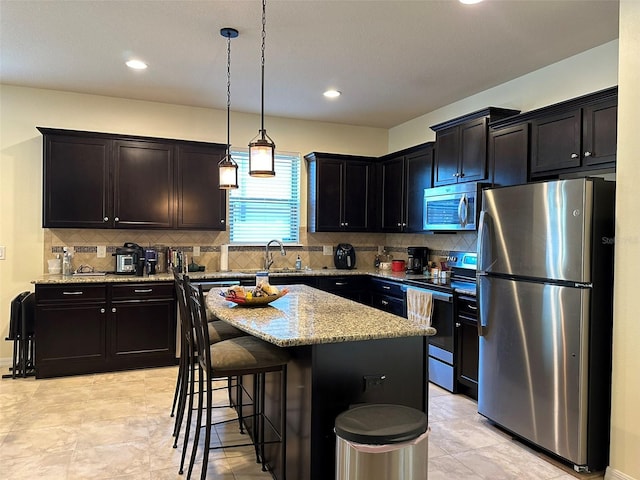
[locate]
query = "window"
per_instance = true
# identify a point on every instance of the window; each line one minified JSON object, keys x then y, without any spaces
{"x":262,"y":209}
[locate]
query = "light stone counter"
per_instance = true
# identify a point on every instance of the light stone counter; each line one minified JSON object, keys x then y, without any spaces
{"x":308,"y":316}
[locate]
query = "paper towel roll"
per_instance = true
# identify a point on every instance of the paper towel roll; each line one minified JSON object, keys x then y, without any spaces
{"x":224,"y":257}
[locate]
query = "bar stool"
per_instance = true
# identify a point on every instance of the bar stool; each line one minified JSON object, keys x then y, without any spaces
{"x":218,"y":331}
{"x":236,"y":357}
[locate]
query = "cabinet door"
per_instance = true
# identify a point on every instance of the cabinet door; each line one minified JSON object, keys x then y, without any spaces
{"x":468,"y":351}
{"x":355,"y":202}
{"x":76,"y":182}
{"x":201,"y":203}
{"x":445,"y":169}
{"x":509,"y":155}
{"x":328,"y":195}
{"x":600,"y":129}
{"x":143,"y":185}
{"x":556,"y":142}
{"x":392,"y":188}
{"x":142,"y":333}
{"x":71,"y":339}
{"x":419,"y":172}
{"x":473,"y":151}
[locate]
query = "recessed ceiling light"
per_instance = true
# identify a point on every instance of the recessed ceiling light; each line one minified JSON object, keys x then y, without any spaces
{"x":469,"y":2}
{"x":332,"y":93}
{"x":136,"y":64}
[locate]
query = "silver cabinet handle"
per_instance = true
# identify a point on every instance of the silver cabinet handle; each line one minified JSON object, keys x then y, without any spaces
{"x":386,"y":287}
{"x":461,"y":174}
{"x":472,"y":307}
{"x":384,"y":302}
{"x":399,"y":224}
{"x":340,"y":284}
{"x":221,"y":221}
{"x":102,"y":310}
{"x":72,"y":293}
{"x":116,"y":219}
{"x":458,"y":324}
{"x":105,"y":219}
{"x":574,"y":155}
{"x":146,"y":290}
{"x":455,"y":175}
{"x":113,"y":310}
{"x":587,"y":154}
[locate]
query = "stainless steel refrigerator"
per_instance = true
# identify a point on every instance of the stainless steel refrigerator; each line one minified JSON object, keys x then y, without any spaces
{"x":545,"y":288}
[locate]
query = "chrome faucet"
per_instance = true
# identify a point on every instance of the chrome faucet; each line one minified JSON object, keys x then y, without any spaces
{"x":268,"y":257}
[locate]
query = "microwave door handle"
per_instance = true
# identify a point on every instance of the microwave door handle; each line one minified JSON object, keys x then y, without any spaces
{"x":463,"y":210}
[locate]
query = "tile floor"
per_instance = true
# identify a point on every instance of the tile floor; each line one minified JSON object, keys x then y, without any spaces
{"x":117,"y":426}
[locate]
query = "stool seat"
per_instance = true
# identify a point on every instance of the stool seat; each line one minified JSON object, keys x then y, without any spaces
{"x":220,"y":330}
{"x":245,"y":353}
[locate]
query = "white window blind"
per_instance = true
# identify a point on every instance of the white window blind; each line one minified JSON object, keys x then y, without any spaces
{"x":262,"y":209}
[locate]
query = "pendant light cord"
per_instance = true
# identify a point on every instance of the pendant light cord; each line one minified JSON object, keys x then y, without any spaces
{"x":228,"y":93}
{"x":264,"y":35}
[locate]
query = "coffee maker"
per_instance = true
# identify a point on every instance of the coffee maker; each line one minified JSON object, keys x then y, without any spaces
{"x":417,"y":259}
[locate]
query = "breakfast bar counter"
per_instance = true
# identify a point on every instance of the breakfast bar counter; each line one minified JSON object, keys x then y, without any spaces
{"x":343,"y":353}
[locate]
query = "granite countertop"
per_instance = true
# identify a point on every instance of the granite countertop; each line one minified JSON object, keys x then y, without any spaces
{"x":48,"y":279}
{"x":307,"y":316}
{"x":199,"y":276}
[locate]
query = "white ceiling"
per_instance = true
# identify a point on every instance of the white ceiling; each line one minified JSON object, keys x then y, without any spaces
{"x":392,"y":60}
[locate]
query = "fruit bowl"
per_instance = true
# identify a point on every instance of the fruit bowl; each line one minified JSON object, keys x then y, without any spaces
{"x":253,"y":301}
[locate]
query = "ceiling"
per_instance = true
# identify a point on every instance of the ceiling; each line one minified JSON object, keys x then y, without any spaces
{"x":392,"y":60}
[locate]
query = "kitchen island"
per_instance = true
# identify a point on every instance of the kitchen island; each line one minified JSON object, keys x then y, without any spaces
{"x":343,"y":353}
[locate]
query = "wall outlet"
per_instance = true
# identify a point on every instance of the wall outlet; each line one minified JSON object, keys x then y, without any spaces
{"x":372,"y":382}
{"x":327,"y":250}
{"x":101,"y":251}
{"x":196,"y":250}
{"x":3,"y":252}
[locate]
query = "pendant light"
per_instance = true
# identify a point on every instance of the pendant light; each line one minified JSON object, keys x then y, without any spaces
{"x":262,"y":149}
{"x":228,"y":168}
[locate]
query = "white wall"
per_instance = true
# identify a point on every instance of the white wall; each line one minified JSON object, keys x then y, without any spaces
{"x":625,"y":413}
{"x":584,"y":73}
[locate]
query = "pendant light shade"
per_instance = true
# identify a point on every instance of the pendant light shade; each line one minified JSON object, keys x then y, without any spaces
{"x":228,"y":168}
{"x":262,"y":149}
{"x":262,"y":156}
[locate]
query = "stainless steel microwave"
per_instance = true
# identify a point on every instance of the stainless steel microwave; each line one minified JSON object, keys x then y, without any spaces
{"x":452,"y":207}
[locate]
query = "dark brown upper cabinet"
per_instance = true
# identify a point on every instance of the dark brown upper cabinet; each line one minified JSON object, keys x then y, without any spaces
{"x":509,"y":155}
{"x":340,"y":193}
{"x":143,"y":193}
{"x":576,"y":135}
{"x":201,"y":204}
{"x":99,"y":180}
{"x":403,"y":176}
{"x":461,"y":146}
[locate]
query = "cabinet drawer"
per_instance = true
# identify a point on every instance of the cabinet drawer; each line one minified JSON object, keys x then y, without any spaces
{"x":338,"y":284}
{"x":138,"y":291}
{"x":467,"y":307}
{"x":388,"y":304}
{"x":70,"y":293}
{"x":384,"y":287}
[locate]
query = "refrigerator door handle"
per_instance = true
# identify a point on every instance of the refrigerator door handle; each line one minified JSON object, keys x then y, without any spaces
{"x":481,"y":325}
{"x":483,"y":239}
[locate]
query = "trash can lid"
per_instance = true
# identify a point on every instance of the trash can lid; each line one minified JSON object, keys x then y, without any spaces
{"x":379,"y":424}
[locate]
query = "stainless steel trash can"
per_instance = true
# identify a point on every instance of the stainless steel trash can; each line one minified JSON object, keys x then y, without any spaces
{"x":382,"y":442}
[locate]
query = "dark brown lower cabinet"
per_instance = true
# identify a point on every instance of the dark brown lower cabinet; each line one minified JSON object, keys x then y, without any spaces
{"x":467,"y":346}
{"x":89,"y":328}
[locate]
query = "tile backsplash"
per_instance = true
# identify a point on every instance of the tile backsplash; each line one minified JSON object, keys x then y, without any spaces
{"x":84,"y":244}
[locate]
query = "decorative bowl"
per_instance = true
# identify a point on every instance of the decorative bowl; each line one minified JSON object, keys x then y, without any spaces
{"x":254,"y":301}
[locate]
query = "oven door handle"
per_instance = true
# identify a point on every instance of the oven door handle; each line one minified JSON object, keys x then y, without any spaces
{"x":440,"y":296}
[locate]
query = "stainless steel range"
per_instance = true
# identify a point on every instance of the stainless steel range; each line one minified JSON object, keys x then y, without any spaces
{"x":442,"y":360}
